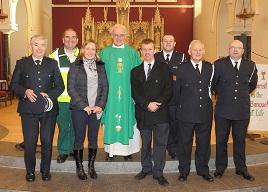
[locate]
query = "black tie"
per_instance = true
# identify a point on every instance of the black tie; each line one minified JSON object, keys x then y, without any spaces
{"x":149,"y":70}
{"x":167,"y":59}
{"x":38,"y":63}
{"x":236,"y":67}
{"x":197,"y":69}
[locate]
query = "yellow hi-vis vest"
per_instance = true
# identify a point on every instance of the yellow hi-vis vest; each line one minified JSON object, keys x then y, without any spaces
{"x":64,"y":97}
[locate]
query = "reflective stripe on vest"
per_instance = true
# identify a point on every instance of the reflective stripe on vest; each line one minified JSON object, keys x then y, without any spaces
{"x":64,"y":97}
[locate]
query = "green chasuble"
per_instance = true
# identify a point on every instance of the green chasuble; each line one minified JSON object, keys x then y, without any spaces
{"x":118,"y":115}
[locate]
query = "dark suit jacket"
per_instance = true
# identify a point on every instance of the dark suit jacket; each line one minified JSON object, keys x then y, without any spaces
{"x":26,"y":76}
{"x":176,"y":59}
{"x":158,"y":88}
{"x":233,"y":100}
{"x":192,"y":93}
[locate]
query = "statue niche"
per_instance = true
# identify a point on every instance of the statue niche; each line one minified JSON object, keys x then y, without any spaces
{"x":137,"y":30}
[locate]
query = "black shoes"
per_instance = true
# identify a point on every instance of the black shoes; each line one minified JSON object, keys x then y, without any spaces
{"x":173,"y":156}
{"x":46,"y":176}
{"x":30,"y":177}
{"x":142,"y":175}
{"x":218,"y":173}
{"x":182,"y":177}
{"x":208,"y":177}
{"x":20,"y":146}
{"x":128,"y":158}
{"x":246,"y":175}
{"x":62,"y":158}
{"x":108,"y":158}
{"x":161,"y":180}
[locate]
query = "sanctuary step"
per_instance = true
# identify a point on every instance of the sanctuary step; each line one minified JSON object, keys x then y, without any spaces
{"x":256,"y":153}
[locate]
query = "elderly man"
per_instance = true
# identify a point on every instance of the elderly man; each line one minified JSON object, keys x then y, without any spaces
{"x":35,"y":77}
{"x":194,"y":113}
{"x":121,"y":137}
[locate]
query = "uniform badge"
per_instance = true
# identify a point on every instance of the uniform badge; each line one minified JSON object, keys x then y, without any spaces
{"x":174,"y":78}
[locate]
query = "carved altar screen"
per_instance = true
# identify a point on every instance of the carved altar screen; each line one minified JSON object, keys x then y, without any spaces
{"x":137,"y":30}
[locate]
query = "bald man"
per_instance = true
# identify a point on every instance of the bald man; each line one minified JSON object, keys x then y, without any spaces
{"x":234,"y":79}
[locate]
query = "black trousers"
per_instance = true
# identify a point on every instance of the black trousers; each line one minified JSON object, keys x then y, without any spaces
{"x":30,"y":128}
{"x":160,"y":138}
{"x":239,"y":132}
{"x":173,"y":135}
{"x":203,"y":149}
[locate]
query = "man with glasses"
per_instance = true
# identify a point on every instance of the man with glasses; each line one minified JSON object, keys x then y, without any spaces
{"x":65,"y":56}
{"x":121,"y":137}
{"x":234,"y":79}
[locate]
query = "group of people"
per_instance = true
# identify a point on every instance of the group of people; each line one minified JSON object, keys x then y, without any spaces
{"x":164,"y":97}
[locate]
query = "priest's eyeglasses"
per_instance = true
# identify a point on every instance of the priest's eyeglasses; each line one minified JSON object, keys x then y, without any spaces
{"x":119,"y":35}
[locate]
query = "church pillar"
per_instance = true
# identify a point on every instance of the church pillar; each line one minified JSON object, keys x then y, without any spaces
{"x":8,"y":26}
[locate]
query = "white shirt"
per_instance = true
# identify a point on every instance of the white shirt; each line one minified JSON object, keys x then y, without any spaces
{"x":146,"y":67}
{"x":170,"y":54}
{"x":238,"y":64}
{"x":199,"y":65}
{"x":37,"y":59}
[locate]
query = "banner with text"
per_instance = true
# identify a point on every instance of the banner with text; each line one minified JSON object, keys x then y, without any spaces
{"x":259,"y":101}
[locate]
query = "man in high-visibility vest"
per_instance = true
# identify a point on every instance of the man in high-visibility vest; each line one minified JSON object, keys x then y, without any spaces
{"x":65,"y":56}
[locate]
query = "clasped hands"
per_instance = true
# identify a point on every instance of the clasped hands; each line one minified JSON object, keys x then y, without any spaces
{"x":90,"y":110}
{"x":32,"y":96}
{"x":153,"y":106}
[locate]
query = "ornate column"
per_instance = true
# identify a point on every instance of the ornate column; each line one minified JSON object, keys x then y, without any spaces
{"x":8,"y":26}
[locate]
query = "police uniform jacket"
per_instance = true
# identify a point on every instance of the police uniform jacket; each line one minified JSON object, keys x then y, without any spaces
{"x":233,"y":100}
{"x":46,"y":78}
{"x":157,"y":88}
{"x":192,"y":93}
{"x":176,"y":59}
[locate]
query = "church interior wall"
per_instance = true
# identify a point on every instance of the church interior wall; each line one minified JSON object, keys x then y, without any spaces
{"x":178,"y":21}
{"x":259,"y":37}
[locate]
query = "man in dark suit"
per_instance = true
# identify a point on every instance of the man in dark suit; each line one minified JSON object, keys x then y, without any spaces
{"x":173,"y":59}
{"x":235,"y":78}
{"x":35,"y":77}
{"x":194,"y":113}
{"x":151,"y":85}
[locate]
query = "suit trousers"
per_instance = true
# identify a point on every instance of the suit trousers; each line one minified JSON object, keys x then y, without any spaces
{"x":81,"y":121}
{"x":203,"y":149}
{"x":160,"y":138}
{"x":239,"y":132}
{"x":172,"y":138}
{"x":30,"y":128}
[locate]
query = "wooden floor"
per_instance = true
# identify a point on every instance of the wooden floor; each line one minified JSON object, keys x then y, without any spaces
{"x":10,"y":119}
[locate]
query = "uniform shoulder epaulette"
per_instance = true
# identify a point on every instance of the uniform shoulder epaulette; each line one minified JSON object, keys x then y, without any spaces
{"x":221,"y":58}
{"x":248,"y":60}
{"x":206,"y":61}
